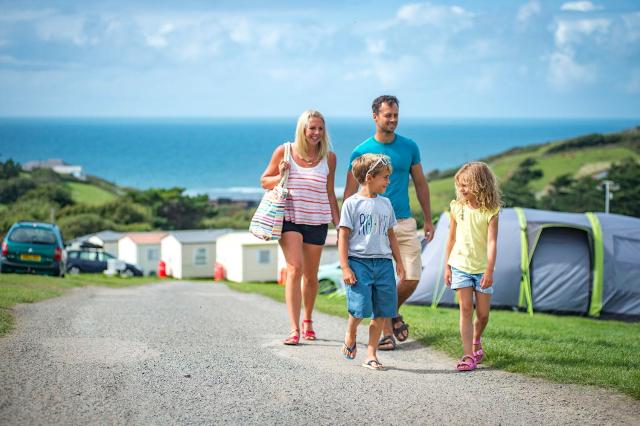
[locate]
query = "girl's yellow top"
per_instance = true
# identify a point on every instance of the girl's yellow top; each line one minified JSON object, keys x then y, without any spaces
{"x":469,"y":253}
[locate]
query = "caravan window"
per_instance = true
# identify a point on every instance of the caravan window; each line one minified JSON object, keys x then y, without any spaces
{"x":200,"y":256}
{"x":152,"y":254}
{"x":264,"y":256}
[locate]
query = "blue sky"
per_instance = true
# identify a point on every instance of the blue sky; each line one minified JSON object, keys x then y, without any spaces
{"x":500,"y":58}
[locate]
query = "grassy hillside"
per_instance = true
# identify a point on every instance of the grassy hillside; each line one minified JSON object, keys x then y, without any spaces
{"x":572,"y":156}
{"x":86,"y":193}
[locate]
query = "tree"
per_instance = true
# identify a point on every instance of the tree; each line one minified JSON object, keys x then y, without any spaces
{"x":516,"y":192}
{"x":573,"y":195}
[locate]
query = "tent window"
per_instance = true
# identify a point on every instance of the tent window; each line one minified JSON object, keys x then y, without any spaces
{"x":625,"y":252}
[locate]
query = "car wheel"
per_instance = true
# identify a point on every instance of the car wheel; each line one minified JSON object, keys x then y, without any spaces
{"x":127,"y":273}
{"x":327,"y":286}
{"x":74,"y":270}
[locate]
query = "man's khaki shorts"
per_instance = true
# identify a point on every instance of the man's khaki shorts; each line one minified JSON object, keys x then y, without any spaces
{"x":410,"y":250}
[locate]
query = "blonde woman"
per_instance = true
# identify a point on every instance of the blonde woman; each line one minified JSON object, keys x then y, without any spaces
{"x":310,"y":207}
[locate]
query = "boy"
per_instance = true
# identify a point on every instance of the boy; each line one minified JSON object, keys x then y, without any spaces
{"x":366,"y":245}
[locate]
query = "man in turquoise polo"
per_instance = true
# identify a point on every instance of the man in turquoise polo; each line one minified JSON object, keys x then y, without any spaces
{"x":405,"y":159}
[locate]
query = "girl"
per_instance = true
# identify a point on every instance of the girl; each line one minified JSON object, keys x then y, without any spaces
{"x":471,"y":254}
{"x":310,"y":207}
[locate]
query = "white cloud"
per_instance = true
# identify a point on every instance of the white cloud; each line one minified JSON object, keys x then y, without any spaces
{"x":571,"y":32}
{"x":69,"y":28}
{"x":426,"y":14}
{"x":527,"y":11}
{"x":580,"y":6}
{"x":159,"y":39}
{"x":376,"y":47}
{"x":565,"y":73}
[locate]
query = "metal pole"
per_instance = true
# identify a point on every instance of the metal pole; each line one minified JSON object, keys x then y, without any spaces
{"x":606,"y":196}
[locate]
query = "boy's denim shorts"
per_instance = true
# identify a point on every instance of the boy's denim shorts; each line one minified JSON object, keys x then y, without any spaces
{"x":461,"y":279}
{"x":374,"y":292}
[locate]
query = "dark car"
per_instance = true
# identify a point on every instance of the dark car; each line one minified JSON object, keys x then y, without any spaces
{"x":96,"y":260}
{"x":33,"y":247}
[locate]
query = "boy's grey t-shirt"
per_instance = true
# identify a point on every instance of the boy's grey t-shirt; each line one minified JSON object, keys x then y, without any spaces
{"x":369,"y":220}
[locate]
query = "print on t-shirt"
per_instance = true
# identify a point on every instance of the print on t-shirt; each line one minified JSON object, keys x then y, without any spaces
{"x":373,"y":224}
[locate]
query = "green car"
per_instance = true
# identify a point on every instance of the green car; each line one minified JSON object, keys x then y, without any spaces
{"x":33,"y":247}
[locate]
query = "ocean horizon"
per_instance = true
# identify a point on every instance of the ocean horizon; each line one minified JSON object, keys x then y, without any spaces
{"x":226,"y":157}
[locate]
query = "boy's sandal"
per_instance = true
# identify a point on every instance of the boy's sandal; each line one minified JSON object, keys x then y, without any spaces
{"x":373,"y":364}
{"x":293,"y":339}
{"x":349,"y":352}
{"x":308,"y":334}
{"x":479,"y":354}
{"x":402,"y":332}
{"x":467,"y":363}
{"x":387,"y":343}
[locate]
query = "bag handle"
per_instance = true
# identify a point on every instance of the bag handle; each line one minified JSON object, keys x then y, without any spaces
{"x":287,"y":158}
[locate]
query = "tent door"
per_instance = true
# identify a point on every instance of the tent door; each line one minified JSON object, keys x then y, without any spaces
{"x":561,"y":271}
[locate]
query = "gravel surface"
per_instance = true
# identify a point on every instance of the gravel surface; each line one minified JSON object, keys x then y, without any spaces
{"x":199,"y":353}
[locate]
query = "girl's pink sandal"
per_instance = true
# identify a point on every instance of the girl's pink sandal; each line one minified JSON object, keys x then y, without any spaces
{"x":467,"y":363}
{"x":479,"y":354}
{"x":293,"y":339}
{"x":308,"y":334}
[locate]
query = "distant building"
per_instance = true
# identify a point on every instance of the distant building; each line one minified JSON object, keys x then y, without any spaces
{"x":247,"y":258}
{"x":190,"y":253}
{"x":143,"y":249}
{"x":57,"y":165}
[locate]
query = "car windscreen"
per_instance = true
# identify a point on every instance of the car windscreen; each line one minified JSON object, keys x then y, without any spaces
{"x":32,"y":235}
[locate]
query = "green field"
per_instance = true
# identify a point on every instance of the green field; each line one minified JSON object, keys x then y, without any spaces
{"x":15,"y":288}
{"x":92,"y":195}
{"x":563,"y":349}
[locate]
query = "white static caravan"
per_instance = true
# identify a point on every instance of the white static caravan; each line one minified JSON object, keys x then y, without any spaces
{"x":190,"y":253}
{"x":143,"y":249}
{"x":247,"y":258}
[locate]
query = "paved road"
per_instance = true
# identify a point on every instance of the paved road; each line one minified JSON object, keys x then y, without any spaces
{"x":199,"y":353}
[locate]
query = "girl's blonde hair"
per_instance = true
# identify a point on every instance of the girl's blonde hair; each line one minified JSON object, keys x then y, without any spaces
{"x":370,"y":164}
{"x":301,"y":139}
{"x":481,"y":182}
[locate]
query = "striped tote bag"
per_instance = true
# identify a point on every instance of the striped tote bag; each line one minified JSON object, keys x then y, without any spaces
{"x":266,"y":222}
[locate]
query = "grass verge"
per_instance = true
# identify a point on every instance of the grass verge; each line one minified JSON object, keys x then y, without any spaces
{"x":563,"y":349}
{"x":15,"y":288}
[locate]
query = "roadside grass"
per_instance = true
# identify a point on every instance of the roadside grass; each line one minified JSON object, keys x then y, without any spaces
{"x":16,"y":288}
{"x":92,"y":195}
{"x":564,"y":349}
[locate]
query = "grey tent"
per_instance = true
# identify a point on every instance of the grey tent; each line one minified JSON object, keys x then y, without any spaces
{"x":552,"y":262}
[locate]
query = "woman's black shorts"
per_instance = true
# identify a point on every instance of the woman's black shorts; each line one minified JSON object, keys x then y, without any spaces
{"x":311,"y":234}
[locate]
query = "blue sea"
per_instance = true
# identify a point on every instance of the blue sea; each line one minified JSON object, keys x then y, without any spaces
{"x":226,"y":157}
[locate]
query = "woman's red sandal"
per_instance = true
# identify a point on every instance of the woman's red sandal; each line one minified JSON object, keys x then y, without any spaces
{"x":293,"y":339}
{"x":308,"y":334}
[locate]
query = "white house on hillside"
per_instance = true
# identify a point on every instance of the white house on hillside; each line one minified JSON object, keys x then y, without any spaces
{"x":141,"y":248}
{"x":190,"y":253}
{"x":247,"y":258}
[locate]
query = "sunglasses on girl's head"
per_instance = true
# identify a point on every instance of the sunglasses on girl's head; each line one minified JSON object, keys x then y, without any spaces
{"x":385,"y":161}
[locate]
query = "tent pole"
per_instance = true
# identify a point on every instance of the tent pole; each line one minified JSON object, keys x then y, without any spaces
{"x":525,"y":280}
{"x":598,"y":266}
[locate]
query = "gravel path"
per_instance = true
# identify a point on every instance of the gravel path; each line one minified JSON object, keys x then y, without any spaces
{"x":199,"y":353}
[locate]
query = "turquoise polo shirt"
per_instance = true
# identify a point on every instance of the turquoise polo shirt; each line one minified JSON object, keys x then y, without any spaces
{"x":404,"y":153}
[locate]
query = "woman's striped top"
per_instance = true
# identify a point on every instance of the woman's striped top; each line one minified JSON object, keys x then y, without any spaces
{"x":308,"y":202}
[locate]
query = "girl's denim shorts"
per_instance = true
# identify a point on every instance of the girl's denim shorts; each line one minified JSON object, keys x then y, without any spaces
{"x":461,"y":279}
